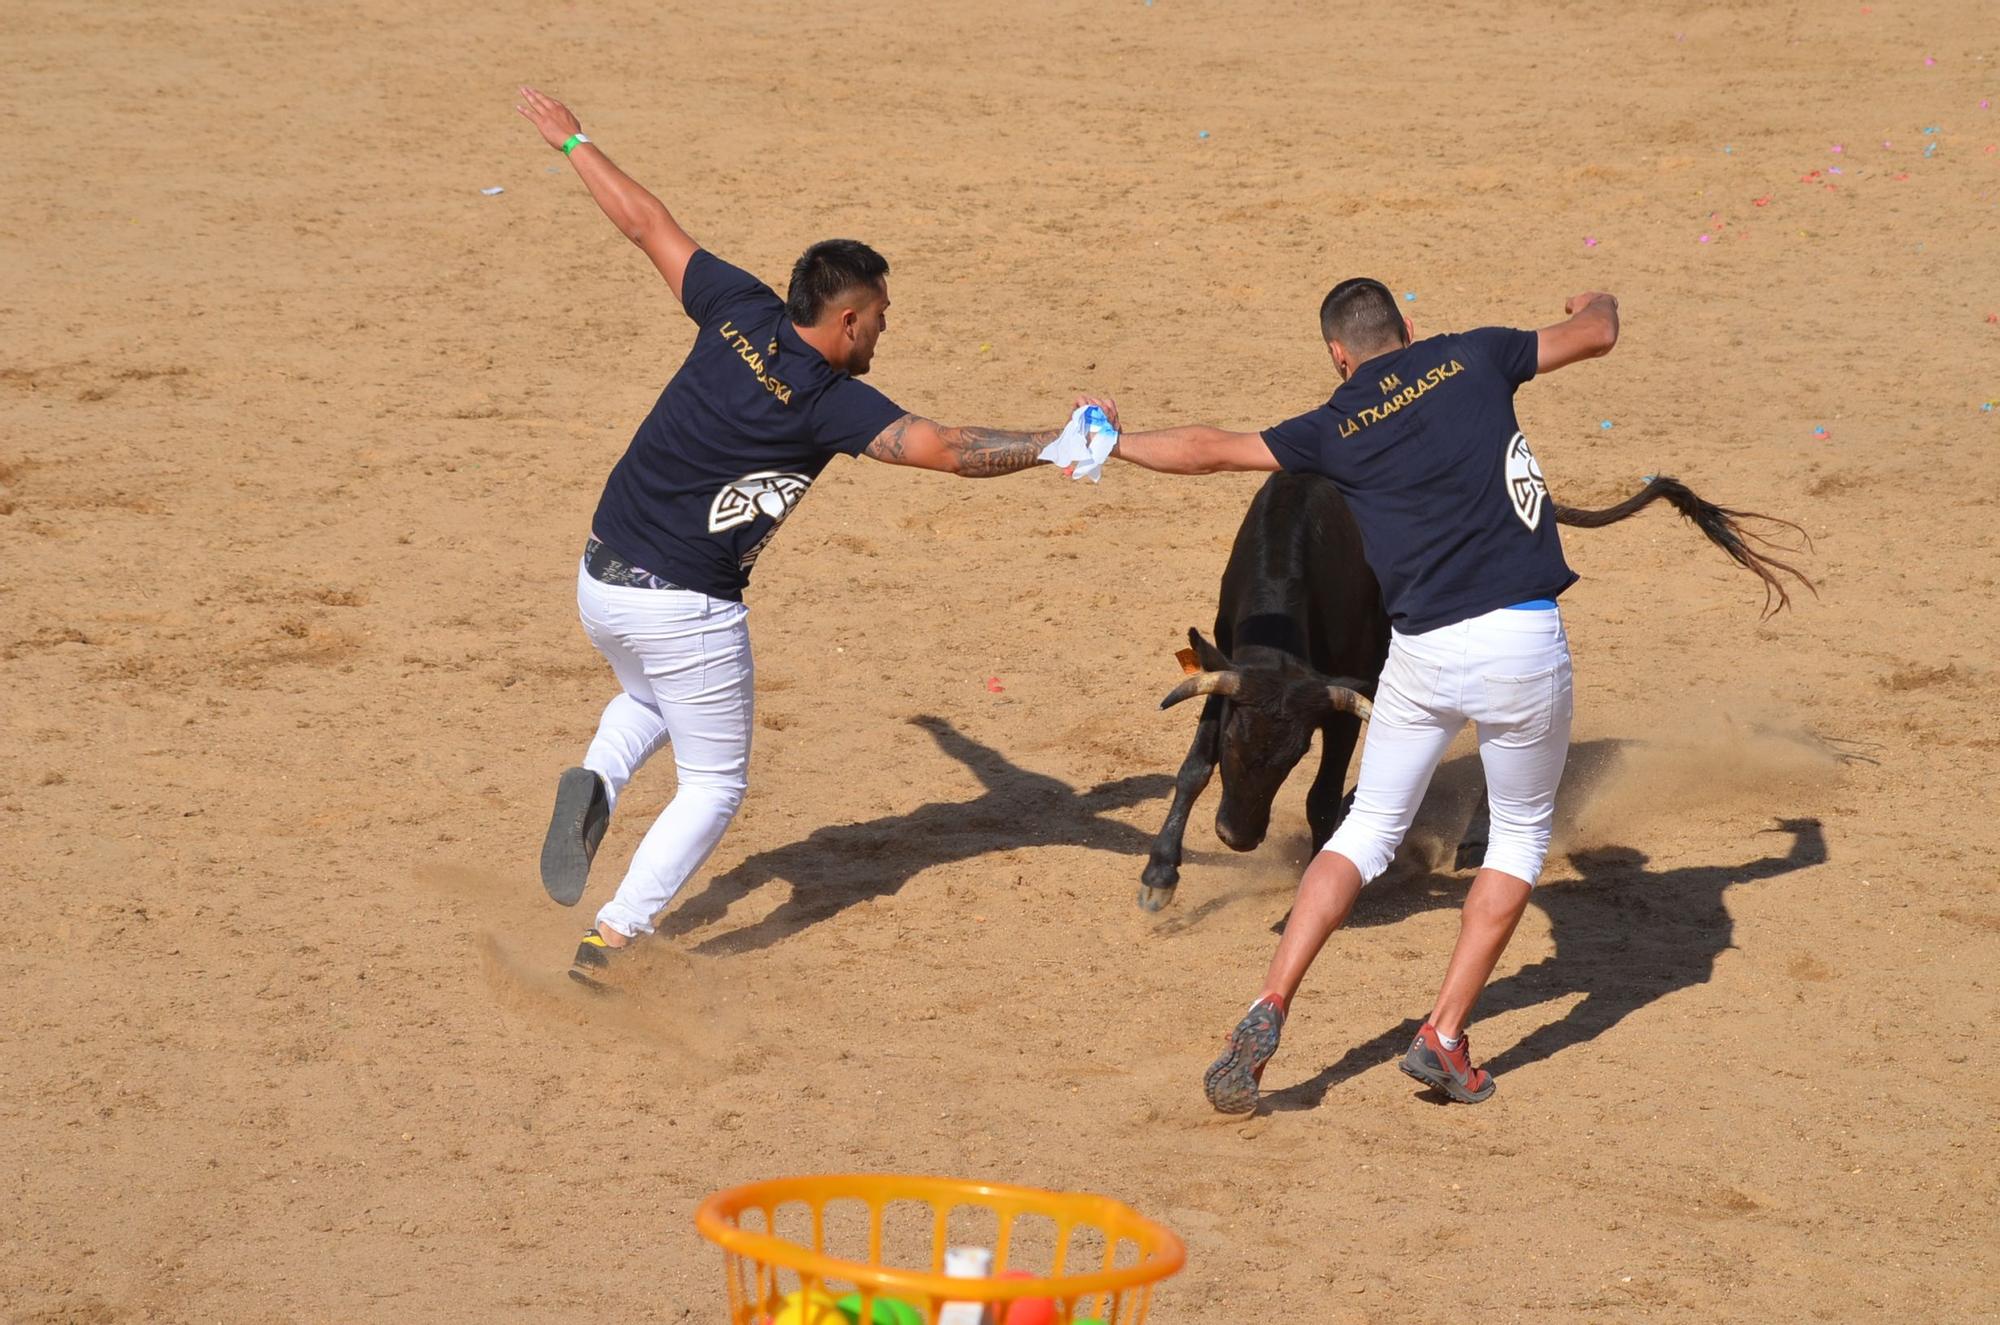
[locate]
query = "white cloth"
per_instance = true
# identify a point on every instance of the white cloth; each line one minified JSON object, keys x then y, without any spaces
{"x":1084,"y":444}
{"x":1509,"y":672}
{"x":684,"y":661}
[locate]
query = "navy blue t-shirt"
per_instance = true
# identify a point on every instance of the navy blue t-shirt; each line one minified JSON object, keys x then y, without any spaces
{"x":1455,"y":518}
{"x":739,"y":434}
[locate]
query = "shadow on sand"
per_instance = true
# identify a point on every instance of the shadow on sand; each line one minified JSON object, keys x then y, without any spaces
{"x":1624,"y":936}
{"x":842,"y":864}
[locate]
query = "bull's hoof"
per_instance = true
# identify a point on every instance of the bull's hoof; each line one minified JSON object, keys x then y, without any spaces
{"x":1155,"y":899}
{"x":1470,"y":853}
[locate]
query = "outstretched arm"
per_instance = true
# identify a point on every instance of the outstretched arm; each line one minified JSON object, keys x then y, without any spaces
{"x":639,"y":216}
{"x":1196,"y":449}
{"x":967,"y":452}
{"x":1589,"y":333}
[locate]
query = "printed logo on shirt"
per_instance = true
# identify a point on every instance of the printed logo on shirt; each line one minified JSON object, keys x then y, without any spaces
{"x":767,"y":493}
{"x":1404,"y":395}
{"x":1526,"y":491}
{"x":747,"y":352}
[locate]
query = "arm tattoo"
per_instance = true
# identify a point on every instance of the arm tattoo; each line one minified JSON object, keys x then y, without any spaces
{"x":985,"y":452}
{"x":975,"y":452}
{"x":888,"y":444}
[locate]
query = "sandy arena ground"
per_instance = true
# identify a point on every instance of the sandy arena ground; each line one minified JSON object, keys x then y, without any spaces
{"x":300,"y":433}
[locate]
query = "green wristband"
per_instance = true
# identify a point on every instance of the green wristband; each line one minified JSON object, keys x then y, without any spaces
{"x":569,"y":143}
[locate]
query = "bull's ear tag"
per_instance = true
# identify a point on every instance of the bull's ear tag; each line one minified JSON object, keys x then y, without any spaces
{"x":1190,"y":665}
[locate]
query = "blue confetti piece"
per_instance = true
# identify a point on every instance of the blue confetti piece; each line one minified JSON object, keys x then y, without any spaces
{"x":1930,"y":150}
{"x":1606,"y":425}
{"x":1647,"y":478}
{"x":1409,"y":296}
{"x":1202,"y":134}
{"x":1985,"y":407}
{"x":1932,"y":129}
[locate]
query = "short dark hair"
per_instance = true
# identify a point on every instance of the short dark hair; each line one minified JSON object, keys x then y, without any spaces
{"x":1361,"y":314}
{"x":828,"y":270}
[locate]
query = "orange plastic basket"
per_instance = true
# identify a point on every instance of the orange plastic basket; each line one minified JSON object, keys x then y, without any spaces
{"x":1092,"y":1257}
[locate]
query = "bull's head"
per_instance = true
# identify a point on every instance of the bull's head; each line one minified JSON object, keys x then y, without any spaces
{"x":1267,"y":727}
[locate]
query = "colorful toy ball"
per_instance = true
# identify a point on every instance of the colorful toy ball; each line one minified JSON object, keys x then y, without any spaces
{"x":809,"y":1307}
{"x":1031,"y":1311}
{"x":1028,"y":1310}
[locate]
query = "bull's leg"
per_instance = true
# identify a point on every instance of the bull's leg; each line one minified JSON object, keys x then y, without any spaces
{"x":1163,"y":862}
{"x":1325,"y":807}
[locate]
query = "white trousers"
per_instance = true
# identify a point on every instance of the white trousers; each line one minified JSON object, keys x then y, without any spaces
{"x":1508,"y":672}
{"x":683,"y":659}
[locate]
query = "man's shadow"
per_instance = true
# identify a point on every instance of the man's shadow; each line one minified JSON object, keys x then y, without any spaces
{"x":1624,"y":937}
{"x":842,"y":864}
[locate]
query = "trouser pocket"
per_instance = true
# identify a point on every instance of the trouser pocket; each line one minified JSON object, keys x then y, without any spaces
{"x":1408,"y":683}
{"x":1522,"y":706}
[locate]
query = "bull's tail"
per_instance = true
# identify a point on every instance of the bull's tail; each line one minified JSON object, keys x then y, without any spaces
{"x":1723,"y":527}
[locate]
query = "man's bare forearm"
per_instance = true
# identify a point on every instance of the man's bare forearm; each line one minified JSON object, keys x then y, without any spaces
{"x":1589,"y":332}
{"x":1192,"y":449}
{"x":629,"y":204}
{"x":986,"y":452}
{"x":967,"y":452}
{"x":1598,"y":319}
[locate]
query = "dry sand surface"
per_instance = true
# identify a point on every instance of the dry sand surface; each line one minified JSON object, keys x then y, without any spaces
{"x":299,"y":438}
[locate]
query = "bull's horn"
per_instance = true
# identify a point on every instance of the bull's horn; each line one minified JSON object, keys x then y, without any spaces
{"x":1350,"y":701}
{"x":1204,"y":683}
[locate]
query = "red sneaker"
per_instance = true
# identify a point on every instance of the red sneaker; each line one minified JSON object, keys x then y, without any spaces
{"x":1449,"y":1070}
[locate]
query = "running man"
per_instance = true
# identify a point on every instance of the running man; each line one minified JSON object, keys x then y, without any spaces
{"x":1422,"y":441}
{"x":766,"y":398}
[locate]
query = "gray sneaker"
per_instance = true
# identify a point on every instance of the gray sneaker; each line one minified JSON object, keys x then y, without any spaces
{"x":1231,"y":1080}
{"x":582,"y":813}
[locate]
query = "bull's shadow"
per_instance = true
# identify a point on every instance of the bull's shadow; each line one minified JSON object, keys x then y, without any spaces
{"x":1624,"y":936}
{"x":842,"y":864}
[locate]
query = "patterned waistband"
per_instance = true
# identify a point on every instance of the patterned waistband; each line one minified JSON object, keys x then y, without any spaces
{"x":607,"y":567}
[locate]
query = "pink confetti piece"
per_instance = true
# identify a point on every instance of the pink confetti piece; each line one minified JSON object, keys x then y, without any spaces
{"x":1590,"y":241}
{"x":1986,"y":103}
{"x":1835,"y":170}
{"x":1705,"y":239}
{"x":1929,"y":60}
{"x":1837,"y":149}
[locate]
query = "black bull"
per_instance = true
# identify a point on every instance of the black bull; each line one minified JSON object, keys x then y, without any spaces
{"x":1300,"y":630}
